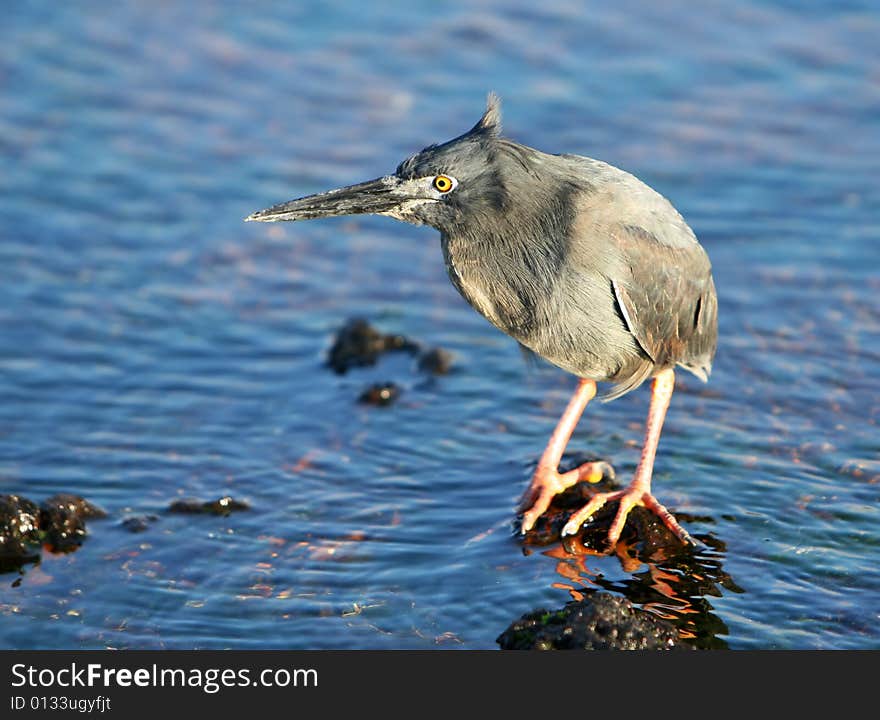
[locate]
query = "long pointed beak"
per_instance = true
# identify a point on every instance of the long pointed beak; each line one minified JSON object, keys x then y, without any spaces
{"x":371,"y":197}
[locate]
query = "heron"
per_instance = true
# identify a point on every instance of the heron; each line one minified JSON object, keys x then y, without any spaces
{"x":580,"y":262}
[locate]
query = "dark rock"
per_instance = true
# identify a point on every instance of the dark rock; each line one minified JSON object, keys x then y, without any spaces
{"x":359,"y":344}
{"x":435,"y":361}
{"x":58,"y":524}
{"x":187,"y":506}
{"x":600,"y":622}
{"x":62,"y":521}
{"x":380,"y":394}
{"x":19,"y":532}
{"x":138,"y":523}
{"x":74,"y":505}
{"x":221,"y":506}
{"x":394,"y":343}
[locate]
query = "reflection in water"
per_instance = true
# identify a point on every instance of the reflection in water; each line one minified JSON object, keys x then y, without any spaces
{"x":673,"y":586}
{"x":18,"y":564}
{"x":666,"y":578}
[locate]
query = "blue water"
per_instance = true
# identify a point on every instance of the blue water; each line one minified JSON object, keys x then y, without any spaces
{"x":153,"y":346}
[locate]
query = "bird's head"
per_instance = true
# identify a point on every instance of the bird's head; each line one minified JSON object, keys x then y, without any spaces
{"x":443,"y":186}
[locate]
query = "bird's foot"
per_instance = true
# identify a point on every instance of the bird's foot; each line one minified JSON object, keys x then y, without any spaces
{"x":548,"y":482}
{"x":634,"y":495}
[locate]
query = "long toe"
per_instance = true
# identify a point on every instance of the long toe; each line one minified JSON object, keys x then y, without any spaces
{"x":545,"y":483}
{"x":668,"y":519}
{"x":581,"y":516}
{"x":628,"y":499}
{"x":538,"y":508}
{"x":627,"y":502}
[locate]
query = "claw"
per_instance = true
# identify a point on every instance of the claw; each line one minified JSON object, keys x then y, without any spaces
{"x":570,"y":528}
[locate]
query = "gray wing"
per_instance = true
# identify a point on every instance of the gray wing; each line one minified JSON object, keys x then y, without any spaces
{"x":660,"y":276}
{"x":667,"y":298}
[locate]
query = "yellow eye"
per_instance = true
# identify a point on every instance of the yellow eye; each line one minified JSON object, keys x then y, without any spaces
{"x":443,"y":183}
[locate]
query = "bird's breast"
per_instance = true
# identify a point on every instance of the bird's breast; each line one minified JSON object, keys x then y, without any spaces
{"x":473,"y":288}
{"x":566,"y":315}
{"x":503,"y":292}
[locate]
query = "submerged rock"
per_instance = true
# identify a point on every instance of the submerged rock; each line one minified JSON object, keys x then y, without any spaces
{"x":138,"y":523}
{"x":380,"y":394}
{"x":62,"y":520}
{"x":600,"y":622}
{"x":19,"y":532}
{"x":435,"y":361}
{"x":58,"y":524}
{"x":221,"y":506}
{"x":359,"y":344}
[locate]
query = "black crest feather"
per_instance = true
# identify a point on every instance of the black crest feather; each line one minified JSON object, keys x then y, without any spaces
{"x":490,"y":123}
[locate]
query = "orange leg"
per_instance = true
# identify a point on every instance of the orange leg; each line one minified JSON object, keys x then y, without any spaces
{"x":547,"y":481}
{"x":639,"y":490}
